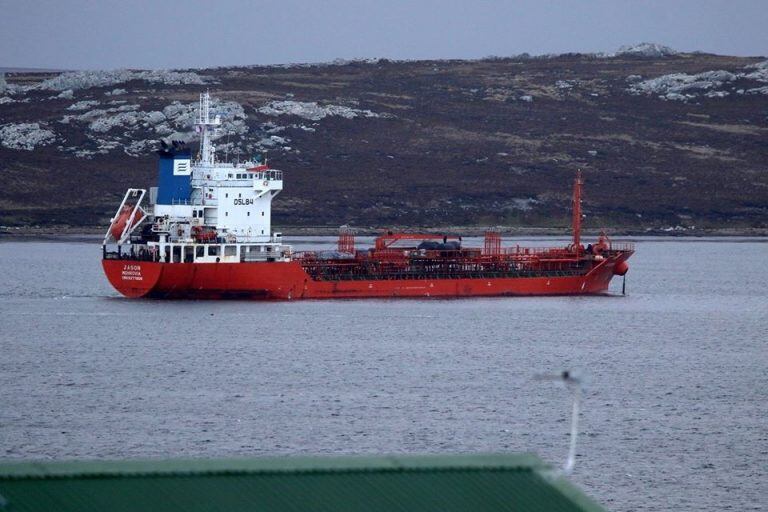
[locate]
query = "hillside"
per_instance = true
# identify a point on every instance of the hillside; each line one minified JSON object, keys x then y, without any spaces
{"x":666,"y":140}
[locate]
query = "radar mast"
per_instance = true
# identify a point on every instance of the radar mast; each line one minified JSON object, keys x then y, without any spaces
{"x":207,"y":127}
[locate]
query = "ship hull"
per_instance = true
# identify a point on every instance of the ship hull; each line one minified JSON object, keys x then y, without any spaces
{"x":289,"y":281}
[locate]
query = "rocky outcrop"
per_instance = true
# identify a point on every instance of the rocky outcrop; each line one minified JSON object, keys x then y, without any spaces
{"x":683,"y":87}
{"x":650,"y":50}
{"x":25,"y":136}
{"x":313,"y":111}
{"x":681,"y":83}
{"x":77,"y":80}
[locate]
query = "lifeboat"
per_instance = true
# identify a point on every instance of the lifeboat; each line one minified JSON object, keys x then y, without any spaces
{"x":121,"y":220}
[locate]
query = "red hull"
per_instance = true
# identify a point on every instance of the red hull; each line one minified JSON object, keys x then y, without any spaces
{"x":286,"y":281}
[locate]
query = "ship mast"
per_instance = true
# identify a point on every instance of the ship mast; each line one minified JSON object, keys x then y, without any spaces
{"x":207,"y":127}
{"x":576,"y":222}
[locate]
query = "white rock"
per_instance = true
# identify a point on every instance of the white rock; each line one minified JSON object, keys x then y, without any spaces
{"x":139,"y":147}
{"x":107,"y":128}
{"x":83,"y":105}
{"x":25,"y":136}
{"x":761,"y":73}
{"x":90,"y":115}
{"x":683,"y":86}
{"x":646,"y":50}
{"x":674,"y":96}
{"x":526,"y":98}
{"x":123,"y":120}
{"x":163,"y":129}
{"x":77,"y":80}
{"x":154,"y":117}
{"x":67,"y":95}
{"x":679,"y":83}
{"x":314,"y":112}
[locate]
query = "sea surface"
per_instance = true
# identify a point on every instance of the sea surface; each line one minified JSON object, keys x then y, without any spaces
{"x":675,"y":409}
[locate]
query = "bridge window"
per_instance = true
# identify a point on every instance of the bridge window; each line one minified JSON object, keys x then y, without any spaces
{"x":199,"y":251}
{"x":213,"y":250}
{"x":230,"y":250}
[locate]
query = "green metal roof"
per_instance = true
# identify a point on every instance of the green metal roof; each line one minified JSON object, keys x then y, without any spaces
{"x":338,"y":484}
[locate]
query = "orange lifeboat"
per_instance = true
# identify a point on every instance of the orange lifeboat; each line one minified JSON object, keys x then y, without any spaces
{"x":121,"y":220}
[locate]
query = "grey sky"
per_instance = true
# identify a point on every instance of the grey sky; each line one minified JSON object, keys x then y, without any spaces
{"x":85,"y":34}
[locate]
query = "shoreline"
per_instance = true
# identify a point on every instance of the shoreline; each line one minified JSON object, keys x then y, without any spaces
{"x":95,"y":233}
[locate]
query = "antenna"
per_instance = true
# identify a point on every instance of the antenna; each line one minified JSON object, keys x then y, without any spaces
{"x":576,"y":386}
{"x":207,"y":127}
{"x":576,"y":221}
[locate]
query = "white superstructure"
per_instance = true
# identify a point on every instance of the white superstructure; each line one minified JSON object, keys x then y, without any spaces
{"x":200,"y":201}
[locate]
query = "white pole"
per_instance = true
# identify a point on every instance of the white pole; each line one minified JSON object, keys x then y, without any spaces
{"x":571,"y":460}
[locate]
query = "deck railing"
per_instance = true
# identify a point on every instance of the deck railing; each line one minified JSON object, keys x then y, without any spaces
{"x":623,"y":246}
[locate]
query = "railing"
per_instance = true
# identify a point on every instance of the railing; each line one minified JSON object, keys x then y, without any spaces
{"x":328,"y":274}
{"x":133,"y":253}
{"x":222,"y":183}
{"x":268,"y":175}
{"x":622,"y":246}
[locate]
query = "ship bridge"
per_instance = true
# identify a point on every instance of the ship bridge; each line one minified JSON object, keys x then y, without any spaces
{"x":200,"y":200}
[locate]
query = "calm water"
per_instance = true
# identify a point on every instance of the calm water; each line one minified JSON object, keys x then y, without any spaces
{"x":675,"y":415}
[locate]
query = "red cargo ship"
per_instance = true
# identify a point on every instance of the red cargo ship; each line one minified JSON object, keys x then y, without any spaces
{"x":209,"y":237}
